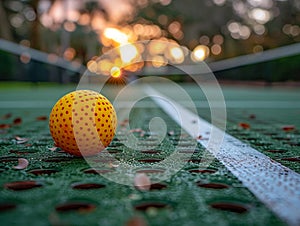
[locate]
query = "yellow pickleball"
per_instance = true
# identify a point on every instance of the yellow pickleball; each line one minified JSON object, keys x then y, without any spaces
{"x":83,"y":123}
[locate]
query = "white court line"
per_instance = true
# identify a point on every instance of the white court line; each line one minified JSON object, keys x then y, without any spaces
{"x":277,"y":186}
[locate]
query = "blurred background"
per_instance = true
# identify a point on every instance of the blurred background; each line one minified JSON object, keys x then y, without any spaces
{"x":55,"y":40}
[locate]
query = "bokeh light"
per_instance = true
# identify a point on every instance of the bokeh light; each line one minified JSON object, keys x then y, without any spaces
{"x":200,"y":53}
{"x":216,"y":49}
{"x":218,"y":39}
{"x":177,"y":55}
{"x":78,"y":30}
{"x":258,"y":49}
{"x":104,"y":66}
{"x":69,"y":54}
{"x":116,"y":35}
{"x":260,"y":15}
{"x":69,"y":26}
{"x":239,"y":31}
{"x":128,"y":53}
{"x":25,"y":58}
{"x":158,"y":61}
{"x":92,"y":66}
{"x":25,"y":43}
{"x":204,"y":40}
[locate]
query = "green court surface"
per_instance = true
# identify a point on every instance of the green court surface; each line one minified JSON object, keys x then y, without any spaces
{"x":58,"y":189}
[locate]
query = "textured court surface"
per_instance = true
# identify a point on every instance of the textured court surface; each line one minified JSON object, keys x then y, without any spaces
{"x":57,"y":189}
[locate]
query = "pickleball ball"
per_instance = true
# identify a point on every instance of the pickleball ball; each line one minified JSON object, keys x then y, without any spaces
{"x":83,"y":123}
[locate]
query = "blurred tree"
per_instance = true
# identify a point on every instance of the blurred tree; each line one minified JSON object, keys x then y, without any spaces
{"x":228,"y":27}
{"x":5,"y":29}
{"x":256,"y":25}
{"x":34,"y":30}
